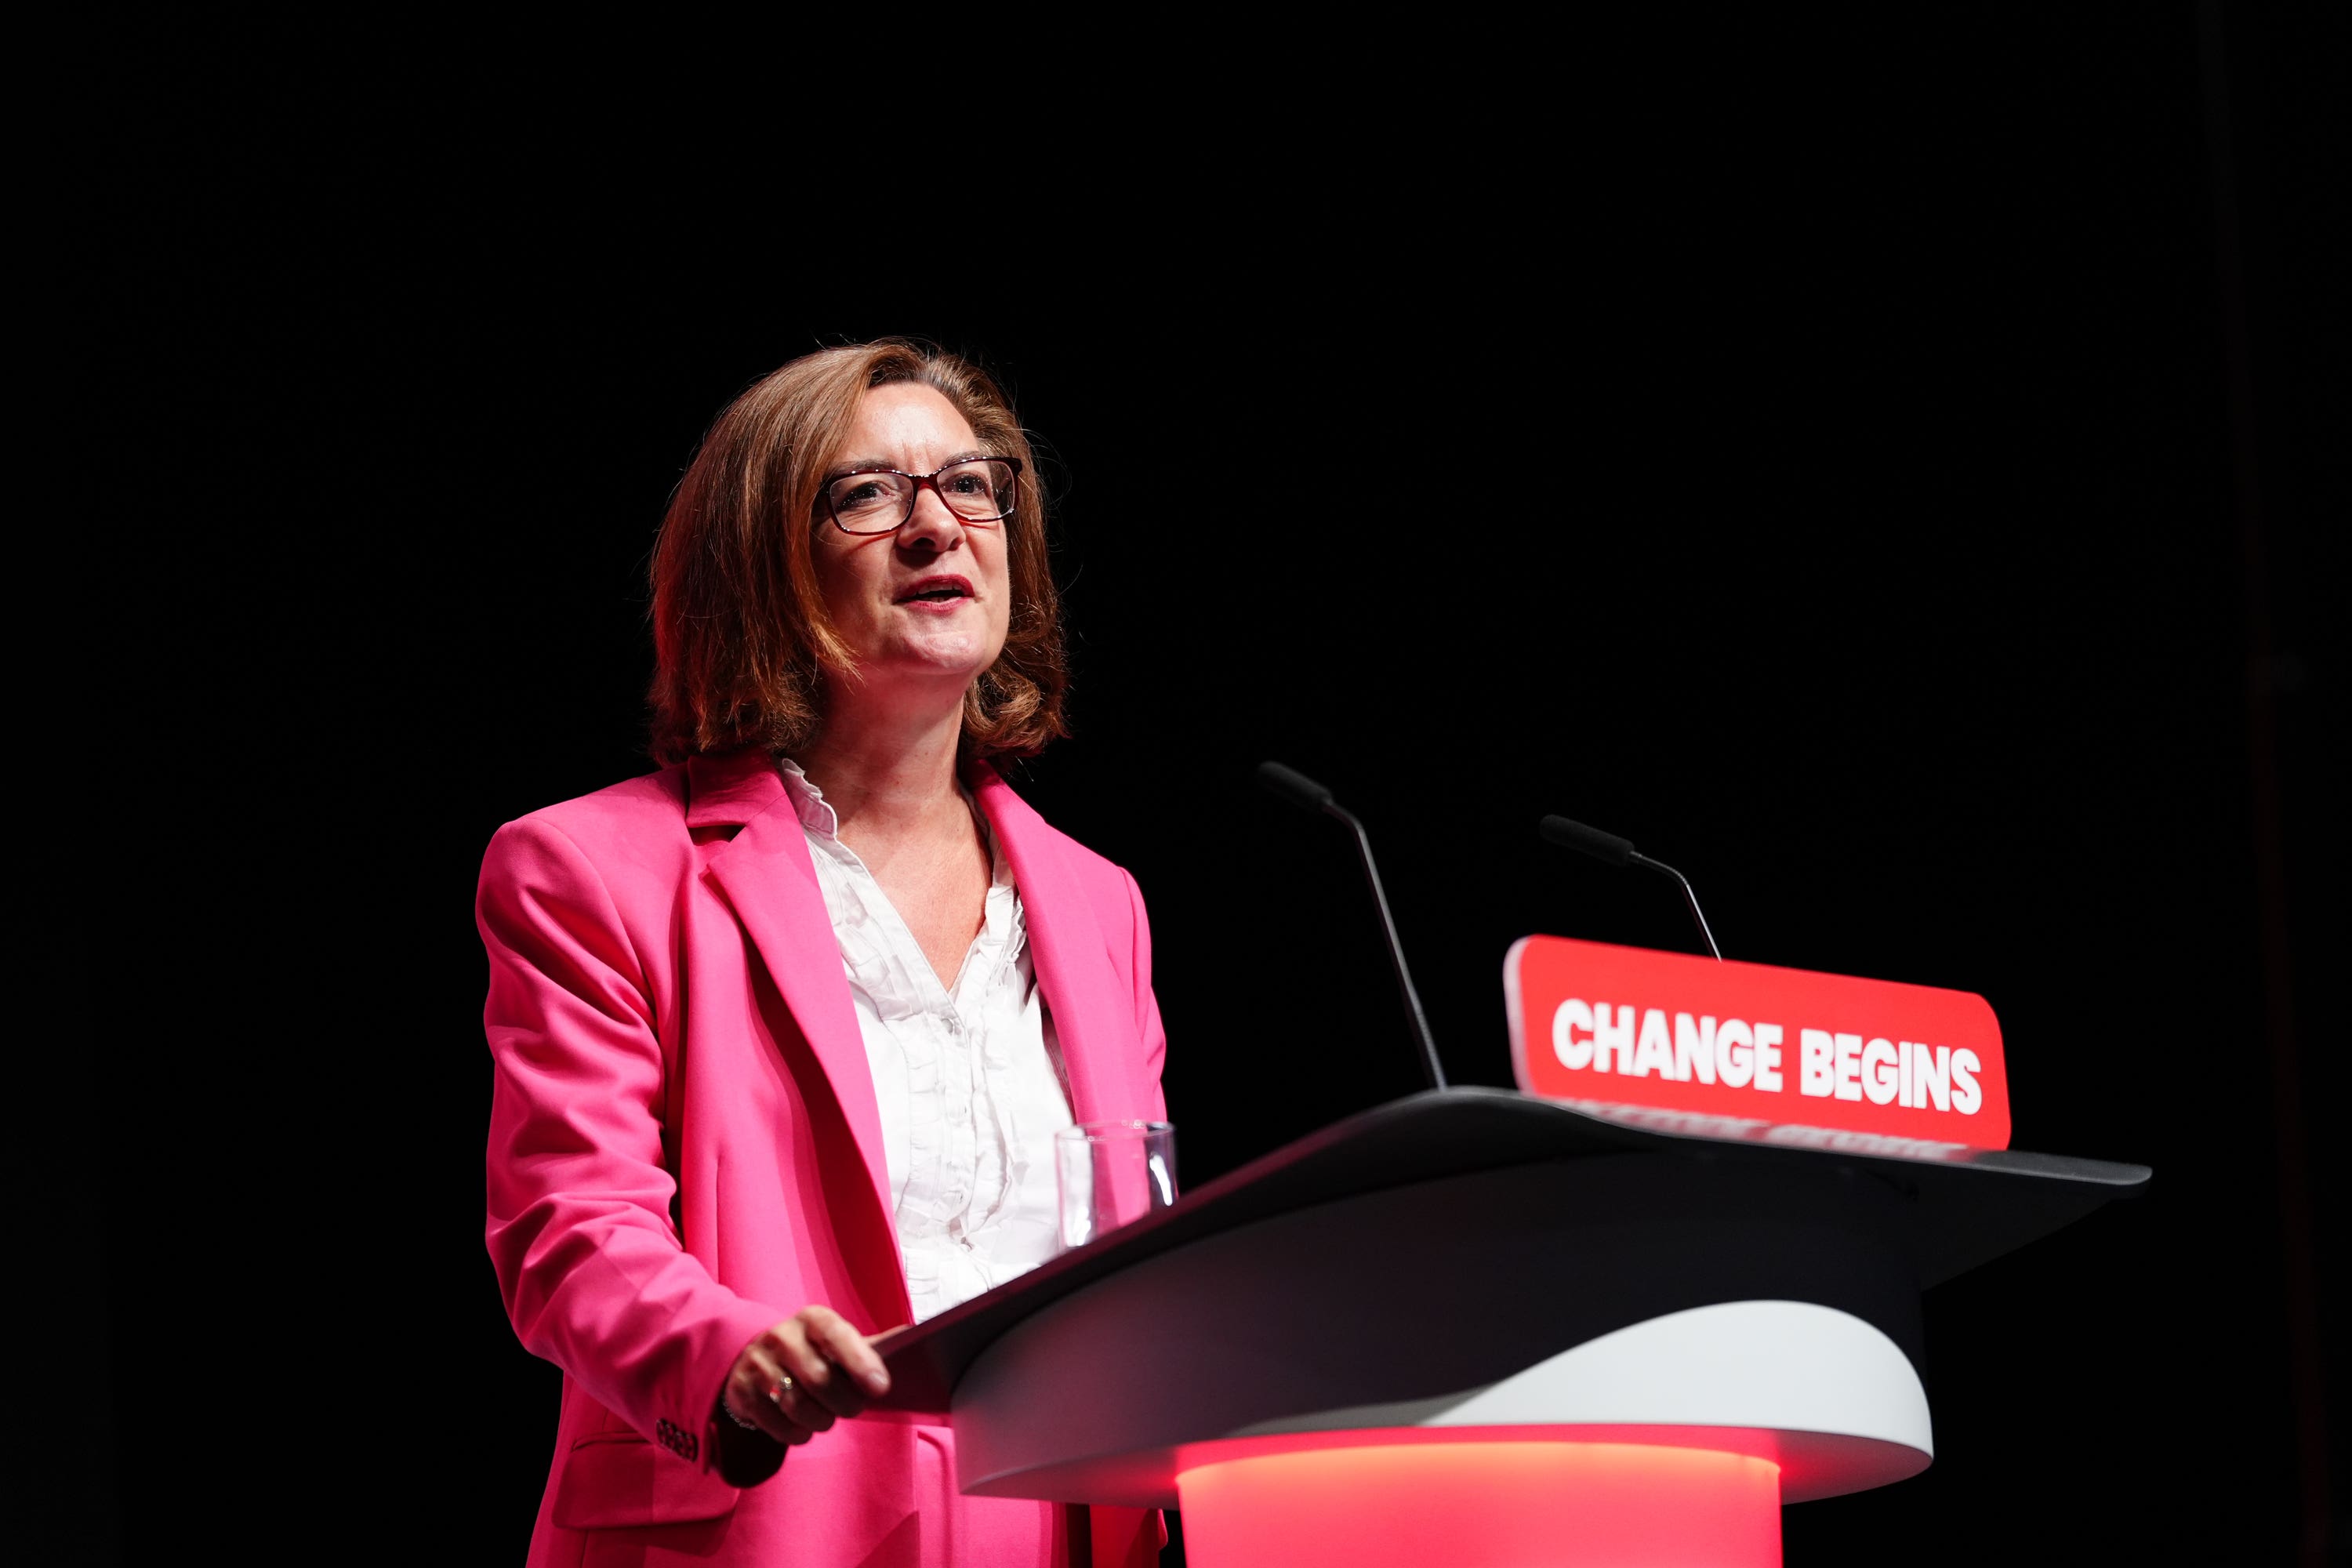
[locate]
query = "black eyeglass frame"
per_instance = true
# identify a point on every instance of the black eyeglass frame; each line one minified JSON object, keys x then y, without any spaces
{"x":825,"y":495}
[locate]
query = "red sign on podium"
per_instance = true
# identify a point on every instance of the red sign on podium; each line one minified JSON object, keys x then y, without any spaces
{"x":1748,"y":1050}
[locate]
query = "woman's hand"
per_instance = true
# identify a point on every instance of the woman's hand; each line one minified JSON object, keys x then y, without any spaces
{"x":804,"y":1373}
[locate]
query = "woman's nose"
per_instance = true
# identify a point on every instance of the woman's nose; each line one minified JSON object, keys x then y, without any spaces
{"x":930,"y":526}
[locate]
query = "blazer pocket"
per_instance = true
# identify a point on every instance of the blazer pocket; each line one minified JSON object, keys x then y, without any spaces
{"x":613,"y":1480}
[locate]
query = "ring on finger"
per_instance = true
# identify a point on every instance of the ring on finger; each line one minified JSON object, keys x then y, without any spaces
{"x":783,"y":1388}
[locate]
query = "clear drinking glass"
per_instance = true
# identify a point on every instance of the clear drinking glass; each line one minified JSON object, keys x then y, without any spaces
{"x":1112,"y":1173}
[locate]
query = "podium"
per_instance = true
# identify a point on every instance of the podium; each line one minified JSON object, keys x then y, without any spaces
{"x":1473,"y":1326}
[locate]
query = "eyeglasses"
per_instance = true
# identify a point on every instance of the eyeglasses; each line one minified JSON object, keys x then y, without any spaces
{"x":880,"y":501}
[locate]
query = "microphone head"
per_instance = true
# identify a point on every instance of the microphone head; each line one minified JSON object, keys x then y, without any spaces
{"x":1586,"y":840}
{"x":1293,"y":786}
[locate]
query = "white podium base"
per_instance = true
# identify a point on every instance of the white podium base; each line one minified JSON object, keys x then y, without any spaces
{"x":1826,"y":1401}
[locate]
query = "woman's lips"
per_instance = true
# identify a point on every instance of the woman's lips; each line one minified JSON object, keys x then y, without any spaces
{"x":936,"y":596}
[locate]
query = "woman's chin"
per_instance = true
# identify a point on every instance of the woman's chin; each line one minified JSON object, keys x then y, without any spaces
{"x":941,"y":659}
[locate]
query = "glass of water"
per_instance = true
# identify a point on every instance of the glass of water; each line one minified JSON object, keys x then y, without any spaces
{"x":1112,"y":1173}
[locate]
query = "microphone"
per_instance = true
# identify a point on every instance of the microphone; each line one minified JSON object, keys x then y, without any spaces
{"x":1616,"y":851}
{"x":1308,"y":796}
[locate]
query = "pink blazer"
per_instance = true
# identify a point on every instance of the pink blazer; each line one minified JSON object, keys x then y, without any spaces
{"x":684,"y":1145}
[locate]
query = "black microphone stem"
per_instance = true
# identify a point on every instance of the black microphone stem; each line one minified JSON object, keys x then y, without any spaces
{"x":1435,"y":1073}
{"x":1308,"y":796}
{"x":1612,"y":850}
{"x":1688,"y":896}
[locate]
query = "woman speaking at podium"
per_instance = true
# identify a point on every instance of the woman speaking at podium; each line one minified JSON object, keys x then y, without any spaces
{"x":784,"y":1031}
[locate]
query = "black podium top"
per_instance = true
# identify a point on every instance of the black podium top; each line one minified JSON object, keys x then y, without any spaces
{"x":1964,"y":1210}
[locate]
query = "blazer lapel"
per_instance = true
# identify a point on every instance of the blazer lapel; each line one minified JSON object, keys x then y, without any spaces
{"x":1092,"y":1016}
{"x":766,"y":876}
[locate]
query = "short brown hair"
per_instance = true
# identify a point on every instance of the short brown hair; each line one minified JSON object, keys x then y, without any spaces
{"x":741,"y":638}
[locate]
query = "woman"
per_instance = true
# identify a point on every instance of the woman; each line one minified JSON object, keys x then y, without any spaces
{"x":783,"y":1031}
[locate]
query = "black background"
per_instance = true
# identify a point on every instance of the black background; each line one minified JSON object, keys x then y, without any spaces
{"x":1812,"y":450}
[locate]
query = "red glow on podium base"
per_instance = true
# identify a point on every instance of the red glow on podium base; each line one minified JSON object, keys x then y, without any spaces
{"x":1420,"y":1505}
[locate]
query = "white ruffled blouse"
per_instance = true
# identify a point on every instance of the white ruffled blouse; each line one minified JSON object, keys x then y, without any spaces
{"x":969,"y":1079}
